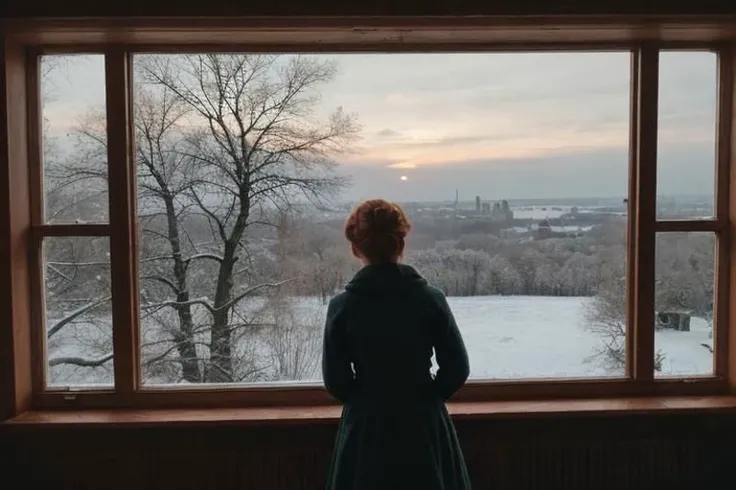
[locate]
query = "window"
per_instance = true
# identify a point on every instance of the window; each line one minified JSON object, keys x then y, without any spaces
{"x":187,"y":214}
{"x":685,"y":259}
{"x":235,"y":271}
{"x":75,"y":257}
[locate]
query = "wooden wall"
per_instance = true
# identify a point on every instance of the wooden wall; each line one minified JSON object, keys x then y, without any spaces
{"x":144,"y":8}
{"x":621,"y":453}
{"x":624,"y":453}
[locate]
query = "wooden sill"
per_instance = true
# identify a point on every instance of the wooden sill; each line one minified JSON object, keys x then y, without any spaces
{"x":330,"y":414}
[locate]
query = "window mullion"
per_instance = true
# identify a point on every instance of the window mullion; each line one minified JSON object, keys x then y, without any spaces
{"x":631,"y":211}
{"x":122,"y":218}
{"x":36,"y":191}
{"x":725,"y":171}
{"x":645,"y":155}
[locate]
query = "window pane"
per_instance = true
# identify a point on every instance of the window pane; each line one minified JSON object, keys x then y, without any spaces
{"x":74,"y":138}
{"x":684,"y":304}
{"x":687,"y":133}
{"x":248,"y":167}
{"x":78,"y":312}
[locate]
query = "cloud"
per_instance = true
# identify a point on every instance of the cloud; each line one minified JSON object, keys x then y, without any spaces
{"x":388,"y":133}
{"x":514,"y":124}
{"x":404,"y":165}
{"x":683,"y":169}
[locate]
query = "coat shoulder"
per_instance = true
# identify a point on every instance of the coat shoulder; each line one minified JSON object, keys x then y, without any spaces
{"x":435,"y":296}
{"x":338,"y":302}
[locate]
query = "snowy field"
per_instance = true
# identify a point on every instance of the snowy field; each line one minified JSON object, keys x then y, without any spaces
{"x":541,"y":336}
{"x":507,"y":337}
{"x":531,"y":337}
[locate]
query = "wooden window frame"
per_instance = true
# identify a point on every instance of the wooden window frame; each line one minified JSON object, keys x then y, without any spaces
{"x":20,"y":177}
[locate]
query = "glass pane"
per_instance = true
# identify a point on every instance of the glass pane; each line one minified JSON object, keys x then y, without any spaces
{"x":684,"y":304}
{"x":74,"y":138}
{"x":687,"y":134}
{"x":78,"y":312}
{"x":248,"y":166}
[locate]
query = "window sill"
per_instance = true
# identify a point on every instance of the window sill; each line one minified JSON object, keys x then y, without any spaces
{"x":330,"y":414}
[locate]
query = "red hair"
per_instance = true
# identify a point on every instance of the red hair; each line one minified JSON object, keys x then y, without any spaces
{"x":377,"y":229}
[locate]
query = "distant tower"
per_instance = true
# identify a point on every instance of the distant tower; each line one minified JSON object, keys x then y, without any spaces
{"x":508,"y":215}
{"x":477,"y":204}
{"x":496,"y":211}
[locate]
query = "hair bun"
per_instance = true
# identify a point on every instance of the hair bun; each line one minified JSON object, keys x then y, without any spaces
{"x":377,"y":228}
{"x":385,"y":216}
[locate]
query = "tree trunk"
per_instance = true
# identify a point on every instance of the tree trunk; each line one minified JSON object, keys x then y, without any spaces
{"x":220,"y":369}
{"x":184,"y":338}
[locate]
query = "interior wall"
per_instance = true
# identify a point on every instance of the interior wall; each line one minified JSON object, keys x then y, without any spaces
{"x":626,"y":452}
{"x":603,"y":453}
{"x":214,"y":8}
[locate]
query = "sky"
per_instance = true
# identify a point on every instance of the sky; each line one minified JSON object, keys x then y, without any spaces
{"x":495,"y":125}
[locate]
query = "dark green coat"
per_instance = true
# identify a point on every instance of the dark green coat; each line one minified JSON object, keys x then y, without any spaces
{"x":395,"y":432}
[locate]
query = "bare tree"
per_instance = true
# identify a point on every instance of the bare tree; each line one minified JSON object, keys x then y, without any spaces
{"x":261,"y":146}
{"x":164,"y":174}
{"x":222,"y":141}
{"x":314,"y":253}
{"x":293,"y":340}
{"x":684,"y":280}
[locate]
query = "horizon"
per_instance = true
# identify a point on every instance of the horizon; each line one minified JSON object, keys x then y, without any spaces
{"x":541,"y":199}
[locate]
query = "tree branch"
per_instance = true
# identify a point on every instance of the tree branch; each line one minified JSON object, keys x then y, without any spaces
{"x":74,"y":315}
{"x":80,"y":361}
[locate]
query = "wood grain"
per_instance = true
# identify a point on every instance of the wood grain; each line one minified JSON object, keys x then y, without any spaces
{"x":15,"y":319}
{"x":645,"y":216}
{"x":299,"y":8}
{"x":330,"y":414}
{"x":372,"y":33}
{"x":123,"y":252}
{"x":610,"y":452}
{"x":725,"y":163}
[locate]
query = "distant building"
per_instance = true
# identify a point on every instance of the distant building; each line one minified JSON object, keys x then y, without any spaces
{"x":502,"y":212}
{"x":477,"y":204}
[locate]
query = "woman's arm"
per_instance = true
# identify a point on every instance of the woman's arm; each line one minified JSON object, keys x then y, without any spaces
{"x":337,"y":371}
{"x":452,"y":357}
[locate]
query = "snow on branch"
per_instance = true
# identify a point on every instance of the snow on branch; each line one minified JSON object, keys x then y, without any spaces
{"x":209,"y":256}
{"x":81,"y":361}
{"x":208,"y":304}
{"x":74,"y":315}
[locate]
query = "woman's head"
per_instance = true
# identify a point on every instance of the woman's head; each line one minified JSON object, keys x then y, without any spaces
{"x":376,"y":230}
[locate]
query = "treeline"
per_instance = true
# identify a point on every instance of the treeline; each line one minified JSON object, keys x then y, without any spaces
{"x":473,"y":265}
{"x":319,"y":260}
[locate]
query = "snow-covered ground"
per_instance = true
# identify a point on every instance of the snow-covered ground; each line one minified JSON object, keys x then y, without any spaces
{"x":542,"y":336}
{"x":506,"y":336}
{"x":528,"y":336}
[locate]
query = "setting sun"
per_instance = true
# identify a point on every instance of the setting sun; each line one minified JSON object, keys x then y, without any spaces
{"x":404,"y":177}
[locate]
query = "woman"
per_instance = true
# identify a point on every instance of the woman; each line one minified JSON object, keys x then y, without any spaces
{"x":395,"y":432}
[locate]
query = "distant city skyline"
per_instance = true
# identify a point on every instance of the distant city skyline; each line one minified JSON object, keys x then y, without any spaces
{"x":505,"y":126}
